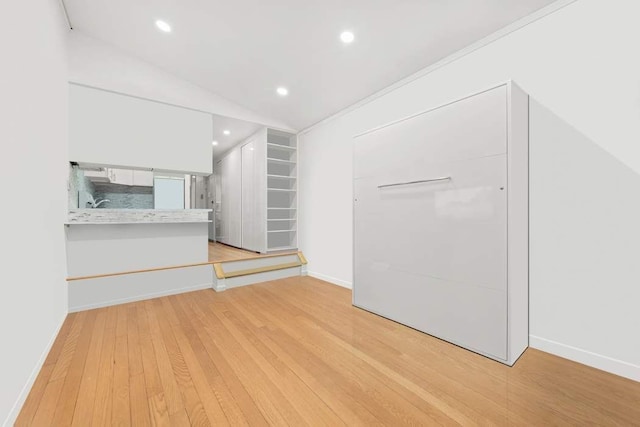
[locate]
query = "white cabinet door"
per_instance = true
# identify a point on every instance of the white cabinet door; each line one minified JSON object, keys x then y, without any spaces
{"x":98,"y":175}
{"x":143,"y":178}
{"x":254,"y":193}
{"x":468,"y":129}
{"x":250,"y":237}
{"x":121,"y":176}
{"x":433,"y":254}
{"x":220,"y":223}
{"x":231,"y":199}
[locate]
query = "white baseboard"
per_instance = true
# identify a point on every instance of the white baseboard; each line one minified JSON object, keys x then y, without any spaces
{"x":24,"y":393}
{"x":219,"y":285}
{"x":141,"y":297}
{"x":330,"y":279}
{"x":598,"y":361}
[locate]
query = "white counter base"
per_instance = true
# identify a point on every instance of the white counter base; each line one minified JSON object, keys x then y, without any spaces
{"x":105,"y":291}
{"x":111,"y":249}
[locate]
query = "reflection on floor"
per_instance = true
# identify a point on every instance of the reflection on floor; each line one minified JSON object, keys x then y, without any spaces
{"x":219,"y":252}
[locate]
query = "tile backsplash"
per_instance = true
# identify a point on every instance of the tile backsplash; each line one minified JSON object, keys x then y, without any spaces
{"x":79,"y":189}
{"x":124,"y":196}
{"x":119,"y":196}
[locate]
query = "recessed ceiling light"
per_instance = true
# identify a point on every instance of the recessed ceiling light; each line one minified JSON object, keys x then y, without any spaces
{"x":163,"y":26}
{"x":226,"y":132}
{"x":347,"y":37}
{"x":282,"y":91}
{"x":214,"y":143}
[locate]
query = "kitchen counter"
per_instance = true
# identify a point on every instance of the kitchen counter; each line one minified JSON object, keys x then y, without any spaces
{"x":118,"y":255}
{"x":136,"y":216}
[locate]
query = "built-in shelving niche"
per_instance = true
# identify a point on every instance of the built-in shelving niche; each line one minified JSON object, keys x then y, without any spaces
{"x":282,"y":186}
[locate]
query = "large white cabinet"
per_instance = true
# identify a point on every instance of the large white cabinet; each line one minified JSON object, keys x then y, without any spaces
{"x":441,"y":222}
{"x":258,"y":193}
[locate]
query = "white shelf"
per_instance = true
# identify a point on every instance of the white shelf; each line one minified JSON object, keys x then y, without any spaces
{"x":281,"y":191}
{"x":283,"y":162}
{"x":281,"y":176}
{"x":280,"y":146}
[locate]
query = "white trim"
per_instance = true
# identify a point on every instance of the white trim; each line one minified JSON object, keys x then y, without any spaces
{"x":515,"y":26}
{"x":220,"y":286}
{"x":332,"y":280}
{"x":598,"y":361}
{"x":141,"y":297}
{"x":66,"y":14}
{"x":22,"y":397}
{"x":446,"y":104}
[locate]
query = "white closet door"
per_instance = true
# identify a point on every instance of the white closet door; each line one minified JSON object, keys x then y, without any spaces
{"x":250,"y":236}
{"x":219,"y":223}
{"x":432,"y":255}
{"x":230,"y":199}
{"x":222,"y":233}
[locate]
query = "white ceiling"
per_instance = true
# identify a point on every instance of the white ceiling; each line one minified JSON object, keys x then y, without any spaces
{"x":244,"y":49}
{"x":240,"y":130}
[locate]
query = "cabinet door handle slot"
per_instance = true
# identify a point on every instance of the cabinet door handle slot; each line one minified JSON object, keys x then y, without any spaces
{"x":445,"y":178}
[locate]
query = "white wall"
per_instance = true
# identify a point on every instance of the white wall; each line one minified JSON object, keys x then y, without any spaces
{"x":98,"y":64}
{"x":33,"y":177}
{"x":580,"y":67}
{"x":107,"y":128}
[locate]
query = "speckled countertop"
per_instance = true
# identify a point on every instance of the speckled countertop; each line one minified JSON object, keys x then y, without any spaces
{"x":136,"y":216}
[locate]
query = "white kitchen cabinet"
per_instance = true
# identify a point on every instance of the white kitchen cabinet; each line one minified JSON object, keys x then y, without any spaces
{"x":98,"y":175}
{"x":143,"y":178}
{"x":441,"y":222}
{"x":120,"y":176}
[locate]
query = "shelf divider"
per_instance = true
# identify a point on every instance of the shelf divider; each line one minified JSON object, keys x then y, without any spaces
{"x":280,"y":146}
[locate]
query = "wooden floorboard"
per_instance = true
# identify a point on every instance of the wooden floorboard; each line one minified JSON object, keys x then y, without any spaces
{"x":219,"y":252}
{"x":295,"y":351}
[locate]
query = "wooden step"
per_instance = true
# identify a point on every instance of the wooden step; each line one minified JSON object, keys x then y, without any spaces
{"x":263,"y":269}
{"x":230,"y":274}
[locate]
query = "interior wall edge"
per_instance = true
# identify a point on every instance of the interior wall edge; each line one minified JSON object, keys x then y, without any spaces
{"x":24,"y":393}
{"x":594,"y":360}
{"x":332,"y":280}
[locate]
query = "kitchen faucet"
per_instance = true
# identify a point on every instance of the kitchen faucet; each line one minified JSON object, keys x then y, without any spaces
{"x":93,"y":203}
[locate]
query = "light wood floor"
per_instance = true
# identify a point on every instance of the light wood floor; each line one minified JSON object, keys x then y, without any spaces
{"x":220,"y":253}
{"x":296,"y":352}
